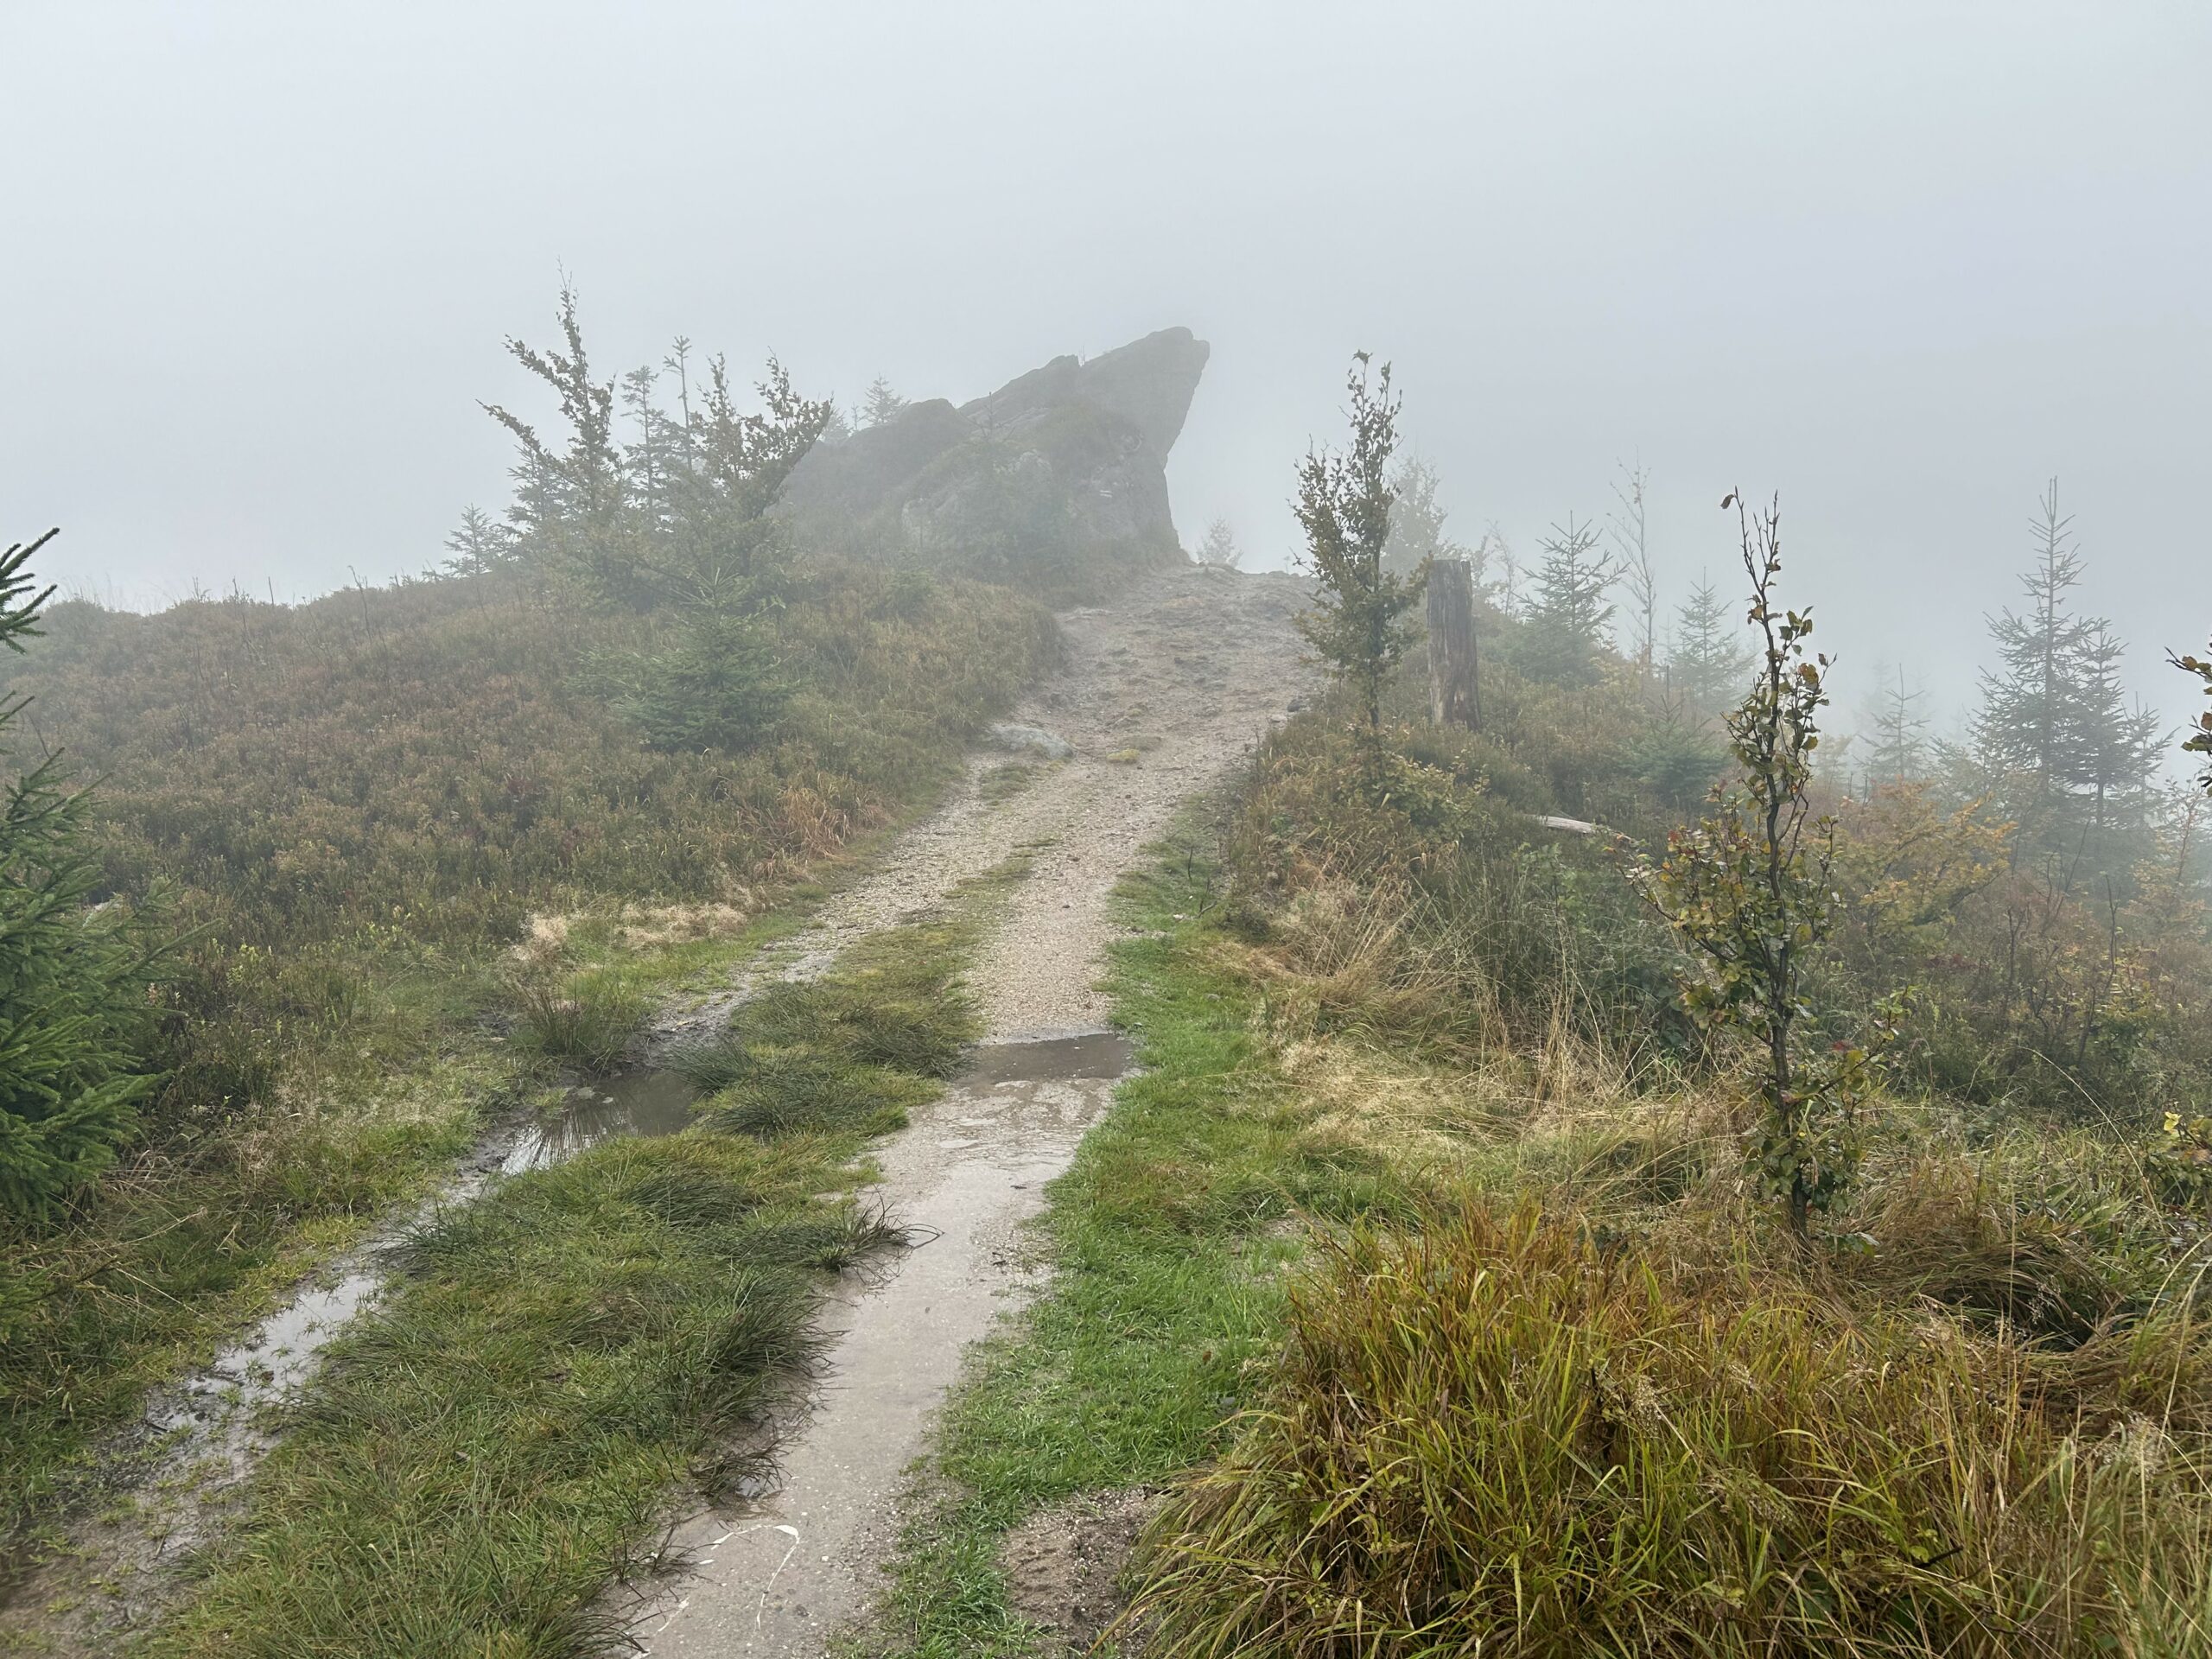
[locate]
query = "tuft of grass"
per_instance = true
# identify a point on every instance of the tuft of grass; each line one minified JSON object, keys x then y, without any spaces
{"x":588,"y":1019}
{"x":782,"y":1090}
{"x":1004,"y":782}
{"x":1496,"y":1430}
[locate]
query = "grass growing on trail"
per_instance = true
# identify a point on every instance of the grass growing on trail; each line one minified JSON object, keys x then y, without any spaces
{"x":499,"y":1440}
{"x":850,"y":1052}
{"x":587,"y":1019}
{"x":1167,"y":1236}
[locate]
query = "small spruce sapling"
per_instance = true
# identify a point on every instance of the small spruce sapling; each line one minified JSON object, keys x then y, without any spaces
{"x":74,"y":978}
{"x":1748,"y":888}
{"x":1219,"y":551}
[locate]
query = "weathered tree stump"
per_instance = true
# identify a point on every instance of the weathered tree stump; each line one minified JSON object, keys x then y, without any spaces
{"x":1453,"y":692}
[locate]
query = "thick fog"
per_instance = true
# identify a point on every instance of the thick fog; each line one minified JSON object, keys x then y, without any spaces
{"x":1901,"y":262}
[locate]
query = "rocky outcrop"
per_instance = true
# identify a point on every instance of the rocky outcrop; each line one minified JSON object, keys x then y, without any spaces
{"x":1060,"y":471}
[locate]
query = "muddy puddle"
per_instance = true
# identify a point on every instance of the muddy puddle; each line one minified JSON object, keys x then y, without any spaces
{"x":644,"y":1103}
{"x":1084,"y":1055}
{"x":280,"y":1354}
{"x":276,"y":1356}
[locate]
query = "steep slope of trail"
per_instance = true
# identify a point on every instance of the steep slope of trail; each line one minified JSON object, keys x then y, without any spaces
{"x":1188,"y":671}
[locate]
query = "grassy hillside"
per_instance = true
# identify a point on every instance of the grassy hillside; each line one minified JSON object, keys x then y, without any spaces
{"x":355,"y":807}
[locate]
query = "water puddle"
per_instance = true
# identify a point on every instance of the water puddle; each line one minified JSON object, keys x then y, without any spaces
{"x":1050,"y":1059}
{"x":643,"y":1102}
{"x":277,"y":1355}
{"x":215,"y":1417}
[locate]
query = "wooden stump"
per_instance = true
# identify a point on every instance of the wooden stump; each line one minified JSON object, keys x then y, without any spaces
{"x":1452,"y":699}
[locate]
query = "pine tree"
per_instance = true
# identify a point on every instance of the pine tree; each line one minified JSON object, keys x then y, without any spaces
{"x":882,"y":403}
{"x":1568,"y":614}
{"x":565,"y":496}
{"x":2070,"y":761}
{"x":1219,"y":549}
{"x":2120,"y":743}
{"x":1356,"y":623}
{"x":73,"y":979}
{"x":679,"y":521}
{"x":1417,"y":523}
{"x":1897,"y":750}
{"x":2024,"y":729}
{"x":1710,"y":662}
{"x":478,"y":545}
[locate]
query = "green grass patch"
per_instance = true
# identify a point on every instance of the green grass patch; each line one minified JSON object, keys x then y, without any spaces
{"x":1003,"y":783}
{"x":850,"y":1051}
{"x":497,"y":1442}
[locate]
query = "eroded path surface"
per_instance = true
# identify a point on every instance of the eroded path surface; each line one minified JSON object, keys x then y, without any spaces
{"x":1186,"y":672}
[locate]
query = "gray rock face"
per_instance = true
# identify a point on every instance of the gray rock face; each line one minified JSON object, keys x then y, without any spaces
{"x":1062,"y":464}
{"x":1146,"y":386}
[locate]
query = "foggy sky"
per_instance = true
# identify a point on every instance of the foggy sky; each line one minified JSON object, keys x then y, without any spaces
{"x":1901,"y":262}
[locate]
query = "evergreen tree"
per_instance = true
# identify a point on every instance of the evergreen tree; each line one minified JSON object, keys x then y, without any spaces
{"x":478,"y":545}
{"x":679,"y":520}
{"x":1417,"y":523}
{"x":565,"y":499}
{"x":1710,"y":661}
{"x":2068,"y":759}
{"x":1357,"y":622}
{"x":1568,"y":614}
{"x":74,"y":980}
{"x":2120,"y":743}
{"x":2025,"y":729}
{"x":882,"y":403}
{"x":1219,"y":549}
{"x":1897,"y":736}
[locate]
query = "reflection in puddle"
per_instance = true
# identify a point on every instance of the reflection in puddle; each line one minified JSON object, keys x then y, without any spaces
{"x":648,"y":1102}
{"x":284,"y":1350}
{"x":278,"y":1355}
{"x":1086,"y":1054}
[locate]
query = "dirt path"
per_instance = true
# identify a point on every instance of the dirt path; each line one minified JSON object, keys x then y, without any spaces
{"x":1188,"y":671}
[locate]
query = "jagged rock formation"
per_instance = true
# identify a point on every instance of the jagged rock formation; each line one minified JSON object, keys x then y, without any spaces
{"x":1056,"y":479}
